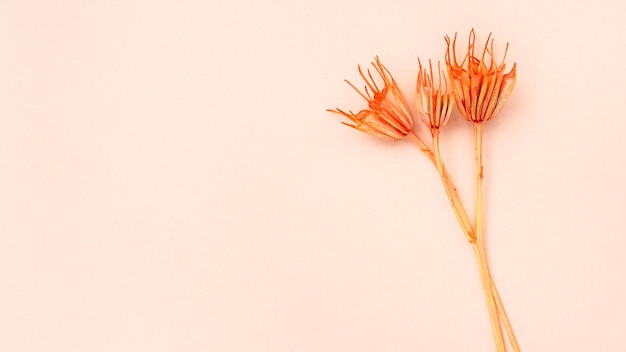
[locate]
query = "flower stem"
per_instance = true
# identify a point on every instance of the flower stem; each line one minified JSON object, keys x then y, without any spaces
{"x":479,"y":246}
{"x":453,"y":196}
{"x":463,"y":219}
{"x":451,"y":192}
{"x":504,"y":317}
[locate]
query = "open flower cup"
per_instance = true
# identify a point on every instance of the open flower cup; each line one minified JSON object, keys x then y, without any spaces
{"x":479,"y":86}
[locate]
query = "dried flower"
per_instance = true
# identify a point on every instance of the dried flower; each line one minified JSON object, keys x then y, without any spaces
{"x":388,"y":115}
{"x":481,"y":89}
{"x":433,"y":105}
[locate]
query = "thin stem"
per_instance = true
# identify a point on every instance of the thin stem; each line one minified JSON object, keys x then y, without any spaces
{"x":478,"y":154}
{"x":457,"y":206}
{"x":479,"y":246}
{"x":423,"y":147}
{"x":451,"y":191}
{"x":504,"y":318}
{"x":491,"y":305}
{"x":463,"y":219}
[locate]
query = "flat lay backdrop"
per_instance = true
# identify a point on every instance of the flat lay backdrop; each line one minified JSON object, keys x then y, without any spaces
{"x":171,"y":181}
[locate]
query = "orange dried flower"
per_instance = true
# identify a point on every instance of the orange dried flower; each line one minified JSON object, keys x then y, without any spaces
{"x":388,"y":115}
{"x":433,"y":105}
{"x":482,"y":88}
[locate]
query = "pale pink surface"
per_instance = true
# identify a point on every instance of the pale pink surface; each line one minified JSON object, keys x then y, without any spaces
{"x":170,"y":181}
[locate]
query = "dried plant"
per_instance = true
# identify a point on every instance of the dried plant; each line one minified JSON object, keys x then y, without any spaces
{"x":480,"y":87}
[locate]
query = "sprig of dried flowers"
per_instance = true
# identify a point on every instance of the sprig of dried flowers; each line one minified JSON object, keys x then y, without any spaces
{"x":480,"y":87}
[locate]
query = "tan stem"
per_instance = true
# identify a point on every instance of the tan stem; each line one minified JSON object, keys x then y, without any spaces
{"x":451,"y":192}
{"x":504,"y":318}
{"x":463,"y":219}
{"x":479,"y":246}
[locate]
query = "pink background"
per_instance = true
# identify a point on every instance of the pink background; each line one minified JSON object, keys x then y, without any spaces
{"x":170,"y":181}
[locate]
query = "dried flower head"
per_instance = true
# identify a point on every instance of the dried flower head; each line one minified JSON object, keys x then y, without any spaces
{"x":481,"y":88}
{"x":433,"y":105}
{"x":388,"y":115}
